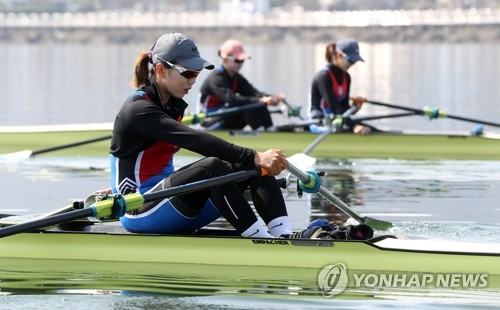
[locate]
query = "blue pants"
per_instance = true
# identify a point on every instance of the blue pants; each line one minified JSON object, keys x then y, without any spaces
{"x":166,"y":219}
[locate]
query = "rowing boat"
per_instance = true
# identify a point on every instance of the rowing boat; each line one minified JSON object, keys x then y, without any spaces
{"x":384,"y":145}
{"x":105,"y":256}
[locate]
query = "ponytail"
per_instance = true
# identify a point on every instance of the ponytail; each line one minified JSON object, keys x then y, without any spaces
{"x":141,"y":70}
{"x":330,"y":52}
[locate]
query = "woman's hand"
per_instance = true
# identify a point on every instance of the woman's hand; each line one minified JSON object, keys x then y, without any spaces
{"x":274,"y":161}
{"x":358,"y":101}
{"x":106,"y":191}
{"x":361,"y":130}
{"x":278,"y":98}
{"x":272,"y":100}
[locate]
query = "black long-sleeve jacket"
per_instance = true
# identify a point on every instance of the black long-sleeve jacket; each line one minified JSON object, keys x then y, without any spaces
{"x":147,"y":134}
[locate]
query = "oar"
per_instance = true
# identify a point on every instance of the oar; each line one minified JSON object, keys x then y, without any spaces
{"x":8,"y":220}
{"x":187,"y":120}
{"x":300,"y":124}
{"x":29,"y":153}
{"x":293,"y":111}
{"x":305,"y":123}
{"x":433,"y":113}
{"x":199,"y":118}
{"x":302,"y":159}
{"x":336,"y":123}
{"x":117,"y":206}
{"x":376,"y":117}
{"x":310,"y":182}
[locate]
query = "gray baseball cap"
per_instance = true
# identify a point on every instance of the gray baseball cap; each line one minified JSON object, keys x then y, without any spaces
{"x":350,"y":47}
{"x":179,"y":49}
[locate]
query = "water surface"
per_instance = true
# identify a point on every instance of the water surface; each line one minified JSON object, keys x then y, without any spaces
{"x":69,"y":83}
{"x":452,"y":200}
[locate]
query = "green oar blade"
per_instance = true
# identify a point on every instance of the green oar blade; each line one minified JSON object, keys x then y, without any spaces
{"x":376,"y":224}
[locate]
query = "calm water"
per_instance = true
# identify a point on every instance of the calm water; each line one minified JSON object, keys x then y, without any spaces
{"x":455,"y":200}
{"x":416,"y":195}
{"x":54,"y":84}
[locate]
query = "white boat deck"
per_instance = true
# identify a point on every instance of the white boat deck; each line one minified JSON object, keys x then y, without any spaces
{"x":439,"y":246}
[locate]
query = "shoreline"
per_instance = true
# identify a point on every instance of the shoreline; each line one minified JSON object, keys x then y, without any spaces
{"x":483,"y":33}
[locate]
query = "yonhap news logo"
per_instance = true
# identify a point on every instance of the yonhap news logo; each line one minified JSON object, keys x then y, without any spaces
{"x":334,"y":279}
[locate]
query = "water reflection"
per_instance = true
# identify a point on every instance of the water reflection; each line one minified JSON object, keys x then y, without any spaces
{"x":394,"y":73}
{"x":128,"y":278}
{"x":189,"y":284}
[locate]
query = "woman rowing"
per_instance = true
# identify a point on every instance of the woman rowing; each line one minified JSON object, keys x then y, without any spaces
{"x":225,"y":87}
{"x":148,"y":132}
{"x":330,"y":87}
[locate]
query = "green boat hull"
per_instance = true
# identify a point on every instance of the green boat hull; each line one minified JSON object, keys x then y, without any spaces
{"x":399,"y":146}
{"x":201,"y":265}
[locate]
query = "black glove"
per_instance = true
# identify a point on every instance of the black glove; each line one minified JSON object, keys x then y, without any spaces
{"x":352,"y":232}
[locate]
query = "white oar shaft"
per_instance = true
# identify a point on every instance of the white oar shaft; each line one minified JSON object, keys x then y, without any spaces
{"x":318,"y":140}
{"x":331,"y":129}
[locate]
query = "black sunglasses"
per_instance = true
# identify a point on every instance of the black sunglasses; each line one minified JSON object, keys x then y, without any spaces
{"x":235,"y":60}
{"x":349,"y":60}
{"x":188,"y":74}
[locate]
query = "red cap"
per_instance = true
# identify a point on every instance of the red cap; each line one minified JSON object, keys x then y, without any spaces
{"x":233,"y":48}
